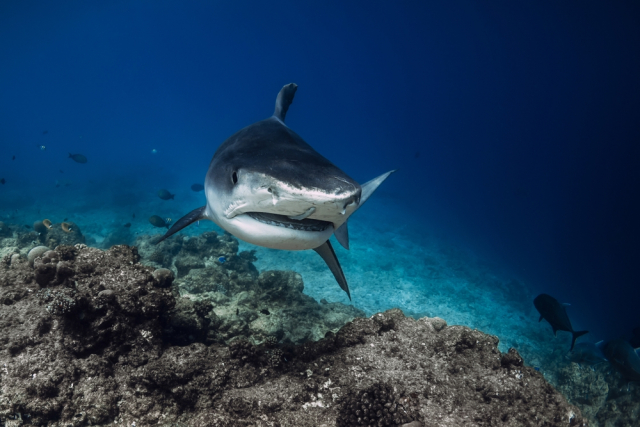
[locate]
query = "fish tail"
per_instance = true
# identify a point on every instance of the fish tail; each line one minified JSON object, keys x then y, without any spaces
{"x":576,"y":335}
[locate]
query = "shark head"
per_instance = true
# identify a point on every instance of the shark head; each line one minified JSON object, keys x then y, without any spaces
{"x":266,"y":186}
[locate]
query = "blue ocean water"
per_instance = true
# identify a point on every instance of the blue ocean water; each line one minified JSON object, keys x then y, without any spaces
{"x":513,"y":127}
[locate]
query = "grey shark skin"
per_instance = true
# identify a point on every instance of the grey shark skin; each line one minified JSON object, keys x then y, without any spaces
{"x":555,"y":313}
{"x":267,"y":186}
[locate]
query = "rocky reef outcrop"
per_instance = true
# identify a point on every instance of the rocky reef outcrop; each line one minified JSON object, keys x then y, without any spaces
{"x":93,"y":337}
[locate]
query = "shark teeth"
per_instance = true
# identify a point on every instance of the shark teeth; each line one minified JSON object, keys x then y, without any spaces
{"x":286,"y":222}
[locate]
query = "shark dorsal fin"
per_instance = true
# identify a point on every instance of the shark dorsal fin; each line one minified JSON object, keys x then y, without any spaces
{"x":284,"y":100}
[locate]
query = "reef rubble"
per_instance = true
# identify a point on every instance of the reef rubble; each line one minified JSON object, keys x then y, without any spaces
{"x":95,"y":337}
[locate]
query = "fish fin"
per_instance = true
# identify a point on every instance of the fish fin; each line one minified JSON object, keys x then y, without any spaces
{"x":329,"y":256}
{"x":190,"y":218}
{"x":284,"y":100}
{"x":370,"y":186}
{"x":342,"y":235}
{"x":576,"y":335}
{"x":540,"y":319}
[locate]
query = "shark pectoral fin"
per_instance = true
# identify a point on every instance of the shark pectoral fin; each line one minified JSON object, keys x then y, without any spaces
{"x":190,"y":218}
{"x":369,"y":187}
{"x":342,"y":235}
{"x":284,"y":100}
{"x":329,"y":256}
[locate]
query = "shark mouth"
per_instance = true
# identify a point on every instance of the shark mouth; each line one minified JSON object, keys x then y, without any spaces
{"x":294,"y":224}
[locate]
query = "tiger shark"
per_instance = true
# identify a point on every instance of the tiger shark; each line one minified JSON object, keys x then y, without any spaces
{"x":265,"y":185}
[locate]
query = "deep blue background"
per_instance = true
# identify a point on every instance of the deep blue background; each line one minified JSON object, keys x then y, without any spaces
{"x":515,"y":125}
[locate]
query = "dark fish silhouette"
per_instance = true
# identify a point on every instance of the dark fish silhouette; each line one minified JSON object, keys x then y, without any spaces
{"x":45,"y":132}
{"x":127,"y":225}
{"x":556,"y":314}
{"x":14,"y":157}
{"x":79,"y":158}
{"x":587,"y":353}
{"x":197,"y":187}
{"x":133,"y":216}
{"x":156,"y":221}
{"x":165,"y":195}
{"x":623,"y":358}
{"x":2,"y":181}
{"x":61,"y":171}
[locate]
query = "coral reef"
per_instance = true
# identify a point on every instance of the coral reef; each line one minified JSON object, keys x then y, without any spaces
{"x":95,"y":337}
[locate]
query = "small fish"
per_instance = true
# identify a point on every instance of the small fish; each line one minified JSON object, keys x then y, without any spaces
{"x":222,"y":260}
{"x":156,"y":221}
{"x":78,"y":158}
{"x":64,"y":220}
{"x":61,"y":171}
{"x":197,"y":187}
{"x":42,"y":147}
{"x":154,"y":151}
{"x":2,"y":181}
{"x":127,"y":225}
{"x":14,"y":157}
{"x":133,"y":216}
{"x":45,"y":132}
{"x":165,"y":195}
{"x":555,"y":313}
{"x":265,"y":311}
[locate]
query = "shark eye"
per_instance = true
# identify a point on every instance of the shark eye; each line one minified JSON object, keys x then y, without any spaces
{"x":234,"y":177}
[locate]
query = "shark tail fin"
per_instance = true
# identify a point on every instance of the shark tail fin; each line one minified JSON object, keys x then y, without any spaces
{"x":190,"y":218}
{"x":576,"y":335}
{"x":329,"y":256}
{"x":284,"y":100}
